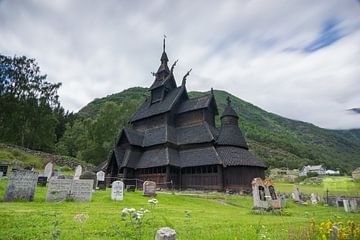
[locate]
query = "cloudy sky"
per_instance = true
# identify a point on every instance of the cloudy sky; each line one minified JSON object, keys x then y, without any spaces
{"x":299,"y":59}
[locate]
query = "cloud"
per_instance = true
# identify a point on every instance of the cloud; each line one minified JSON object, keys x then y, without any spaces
{"x":298,"y":59}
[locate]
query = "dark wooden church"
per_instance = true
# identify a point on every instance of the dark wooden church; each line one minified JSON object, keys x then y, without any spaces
{"x":173,"y":139}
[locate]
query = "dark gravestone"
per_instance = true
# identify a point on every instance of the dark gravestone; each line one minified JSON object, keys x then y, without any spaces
{"x":4,"y":168}
{"x":90,"y":175}
{"x":102,"y":185}
{"x":42,"y":180}
{"x":21,"y":185}
{"x":130,"y":188}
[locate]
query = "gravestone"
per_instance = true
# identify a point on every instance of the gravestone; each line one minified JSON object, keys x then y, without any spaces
{"x":21,"y":185}
{"x":272,"y":198}
{"x":89,"y":175}
{"x":4,"y":168}
{"x":100,"y":176}
{"x":346,"y":205}
{"x":1,"y":175}
{"x":353,"y":204}
{"x":78,"y":171}
{"x":149,"y":188}
{"x":81,"y":190}
{"x":58,"y":190}
{"x":42,"y":180}
{"x":259,"y":194}
{"x":101,"y":180}
{"x":48,"y":170}
{"x":165,"y":234}
{"x":314,"y":198}
{"x":296,"y":195}
{"x":130,"y":188}
{"x":117,"y":191}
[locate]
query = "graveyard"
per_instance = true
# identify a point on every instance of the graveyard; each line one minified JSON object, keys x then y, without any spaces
{"x":193,"y":215}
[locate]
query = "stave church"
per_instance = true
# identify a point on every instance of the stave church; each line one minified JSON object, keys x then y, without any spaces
{"x":173,"y":140}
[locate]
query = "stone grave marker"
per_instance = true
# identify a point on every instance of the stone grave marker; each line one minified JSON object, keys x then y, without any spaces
{"x":78,"y":171}
{"x":42,"y":180}
{"x":117,"y":191}
{"x":353,"y":204}
{"x":48,"y":170}
{"x":314,"y":198}
{"x":82,"y":189}
{"x":296,"y":195}
{"x":4,"y":168}
{"x":21,"y":185}
{"x":58,"y":190}
{"x":149,"y":188}
{"x":346,"y":205}
{"x":165,"y":234}
{"x":89,"y":175}
{"x":258,"y":191}
{"x":1,"y":175}
{"x":100,"y":176}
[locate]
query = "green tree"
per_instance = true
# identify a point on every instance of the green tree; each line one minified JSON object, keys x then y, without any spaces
{"x":27,"y":103}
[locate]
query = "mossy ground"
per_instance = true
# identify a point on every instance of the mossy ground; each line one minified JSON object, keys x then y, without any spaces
{"x":213,"y":216}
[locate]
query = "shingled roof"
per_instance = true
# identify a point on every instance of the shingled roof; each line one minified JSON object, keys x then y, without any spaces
{"x":156,"y":157}
{"x":234,"y":156}
{"x":195,"y":104}
{"x":199,"y":157}
{"x":231,"y":135}
{"x":148,"y":110}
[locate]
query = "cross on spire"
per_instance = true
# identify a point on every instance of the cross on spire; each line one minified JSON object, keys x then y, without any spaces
{"x":228,"y":100}
{"x":164,"y":43}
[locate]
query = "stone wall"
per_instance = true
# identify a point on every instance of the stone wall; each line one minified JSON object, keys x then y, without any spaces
{"x":57,"y":159}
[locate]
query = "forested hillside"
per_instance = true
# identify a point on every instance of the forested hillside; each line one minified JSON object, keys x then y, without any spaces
{"x":279,"y":141}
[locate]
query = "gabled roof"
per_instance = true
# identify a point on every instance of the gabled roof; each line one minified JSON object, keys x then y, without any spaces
{"x":231,"y":135}
{"x":148,"y":110}
{"x":235,"y":156}
{"x":156,"y":157}
{"x":196,"y":103}
{"x":134,"y":137}
{"x":199,"y":157}
{"x":194,"y":134}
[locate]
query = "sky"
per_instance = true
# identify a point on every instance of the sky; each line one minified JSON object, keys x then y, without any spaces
{"x":298,"y":59}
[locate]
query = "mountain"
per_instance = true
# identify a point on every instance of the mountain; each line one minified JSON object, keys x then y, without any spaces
{"x":279,"y":141}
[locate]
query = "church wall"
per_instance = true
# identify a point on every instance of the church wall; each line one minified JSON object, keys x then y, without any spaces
{"x":189,"y":118}
{"x":209,"y":116}
{"x":201,"y":178}
{"x":151,"y":122}
{"x":239,"y":177}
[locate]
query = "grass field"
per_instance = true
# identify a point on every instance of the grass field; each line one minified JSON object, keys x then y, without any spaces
{"x":213,"y":216}
{"x":337,"y":186}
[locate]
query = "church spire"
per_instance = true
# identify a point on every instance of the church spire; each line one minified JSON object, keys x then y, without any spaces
{"x":164,"y":59}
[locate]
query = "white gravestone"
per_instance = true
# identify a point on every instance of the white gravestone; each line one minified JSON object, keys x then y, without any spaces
{"x":314,"y":198}
{"x":61,"y":189}
{"x":78,"y":172}
{"x":296,"y":195}
{"x":117,"y":191}
{"x":58,"y":190}
{"x":353,"y":204}
{"x":149,"y":188}
{"x":100,"y":176}
{"x":81,"y":190}
{"x":21,"y":185}
{"x":346,"y":205}
{"x":48,"y":170}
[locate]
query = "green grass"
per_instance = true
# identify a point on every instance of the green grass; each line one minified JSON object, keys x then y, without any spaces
{"x":213,"y":216}
{"x":345,"y":186}
{"x":27,"y":159}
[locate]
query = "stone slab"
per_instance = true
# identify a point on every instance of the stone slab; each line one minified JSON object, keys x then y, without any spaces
{"x":58,"y":190}
{"x":21,"y":185}
{"x":82,"y":189}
